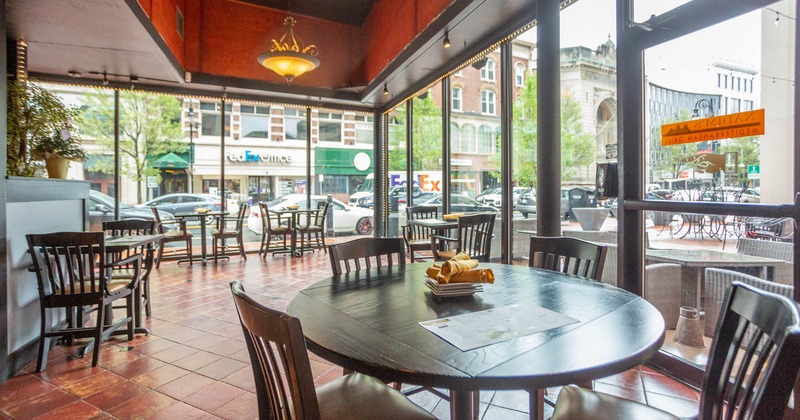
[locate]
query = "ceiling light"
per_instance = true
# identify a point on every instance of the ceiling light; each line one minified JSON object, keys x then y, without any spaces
{"x":105,"y":79}
{"x":288,"y":56}
{"x":75,"y":74}
{"x":447,"y":43}
{"x":385,"y":89}
{"x":777,"y":18}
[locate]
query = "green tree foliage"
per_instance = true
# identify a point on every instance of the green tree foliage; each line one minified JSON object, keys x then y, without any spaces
{"x":426,"y":134}
{"x":149,"y":127}
{"x":748,"y":151}
{"x":577,"y":147}
{"x":666,"y":160}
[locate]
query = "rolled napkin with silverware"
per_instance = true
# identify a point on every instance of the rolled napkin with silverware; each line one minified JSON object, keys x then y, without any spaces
{"x":476,"y":275}
{"x":432,"y":272}
{"x":450,"y":268}
{"x":460,"y":269}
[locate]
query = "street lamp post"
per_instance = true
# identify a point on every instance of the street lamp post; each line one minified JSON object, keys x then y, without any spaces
{"x":192,"y":126}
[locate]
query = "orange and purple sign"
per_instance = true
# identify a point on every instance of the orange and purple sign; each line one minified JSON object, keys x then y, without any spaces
{"x":742,"y":124}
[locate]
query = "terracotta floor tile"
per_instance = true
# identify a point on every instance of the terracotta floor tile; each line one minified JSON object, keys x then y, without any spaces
{"x":205,"y":341}
{"x":214,"y":396}
{"x":160,"y":376}
{"x":632,"y":394}
{"x":73,"y":411}
{"x":677,"y":406}
{"x":244,"y":406}
{"x":92,"y":384}
{"x":221,"y":368}
{"x":174,"y":353}
{"x":137,"y":367}
{"x":181,"y":411}
{"x":660,"y":384}
{"x":39,"y":404}
{"x":154,"y":346}
{"x":185,"y":385}
{"x":197,"y":360}
{"x":116,"y":395}
{"x":142,"y":406}
{"x":628,"y":379}
{"x":243,"y":378}
{"x":227,"y":347}
{"x":22,"y":387}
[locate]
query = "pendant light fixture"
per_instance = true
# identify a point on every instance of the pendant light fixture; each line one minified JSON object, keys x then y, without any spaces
{"x":288,"y":56}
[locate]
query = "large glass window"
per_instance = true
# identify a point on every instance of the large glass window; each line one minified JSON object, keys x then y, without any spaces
{"x":487,"y":71}
{"x":294,"y":123}
{"x":487,"y":102}
{"x":211,"y":118}
{"x":255,"y":121}
{"x":519,"y":74}
{"x":365,"y":133}
{"x":330,"y":127}
{"x":457,"y":99}
{"x":467,"y":139}
{"x":485,"y":139}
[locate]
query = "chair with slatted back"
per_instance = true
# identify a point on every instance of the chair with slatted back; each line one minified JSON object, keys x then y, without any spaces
{"x":568,"y":255}
{"x":284,"y":381}
{"x":130,"y":227}
{"x":473,"y":236}
{"x":416,"y":237}
{"x":72,"y":271}
{"x":314,"y":225}
{"x":748,"y":375}
{"x":273,"y":225}
{"x":222,"y":233}
{"x":181,"y":234}
{"x":366,"y":253}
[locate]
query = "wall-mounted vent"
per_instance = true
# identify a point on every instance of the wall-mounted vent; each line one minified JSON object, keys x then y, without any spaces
{"x":179,"y":21}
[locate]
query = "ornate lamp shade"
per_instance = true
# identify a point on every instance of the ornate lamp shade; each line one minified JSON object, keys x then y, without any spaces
{"x":288,"y":56}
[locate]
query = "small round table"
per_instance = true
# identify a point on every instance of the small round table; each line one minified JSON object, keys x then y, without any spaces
{"x":368,"y":321}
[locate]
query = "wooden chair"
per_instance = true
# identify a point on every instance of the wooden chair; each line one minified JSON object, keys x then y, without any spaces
{"x":71,"y":269}
{"x":315,"y":224}
{"x":473,"y":236}
{"x":754,"y":373}
{"x":366,"y":253}
{"x":416,"y":237}
{"x":170,"y":236}
{"x":568,"y":255}
{"x":285,"y":384}
{"x":221,"y":234}
{"x":273,"y":224}
{"x":130,"y":227}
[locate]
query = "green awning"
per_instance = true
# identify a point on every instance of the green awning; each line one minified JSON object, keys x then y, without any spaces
{"x":171,"y":160}
{"x":335,"y":161}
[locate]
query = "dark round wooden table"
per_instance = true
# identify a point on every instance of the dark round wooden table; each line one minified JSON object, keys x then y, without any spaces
{"x":368,"y":321}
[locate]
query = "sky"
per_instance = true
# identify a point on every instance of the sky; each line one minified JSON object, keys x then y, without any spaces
{"x":682,"y":64}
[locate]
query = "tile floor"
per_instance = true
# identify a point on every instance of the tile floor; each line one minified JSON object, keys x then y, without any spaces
{"x":194,"y":363}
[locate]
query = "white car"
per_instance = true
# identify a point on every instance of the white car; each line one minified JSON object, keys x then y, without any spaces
{"x":346,"y":219}
{"x":496,"y":199}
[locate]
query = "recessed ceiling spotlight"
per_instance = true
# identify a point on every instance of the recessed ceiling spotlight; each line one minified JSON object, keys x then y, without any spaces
{"x":74,"y":73}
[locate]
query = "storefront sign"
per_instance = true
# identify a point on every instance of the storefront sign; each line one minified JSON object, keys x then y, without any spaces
{"x":742,"y":124}
{"x":249,"y":156}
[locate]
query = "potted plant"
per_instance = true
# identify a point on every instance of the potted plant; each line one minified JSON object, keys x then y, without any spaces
{"x":38,"y":129}
{"x":57,"y":150}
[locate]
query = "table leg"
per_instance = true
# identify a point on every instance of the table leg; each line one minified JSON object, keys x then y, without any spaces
{"x":294,"y":235}
{"x":203,"y":253}
{"x":536,"y":404}
{"x":461,"y":404}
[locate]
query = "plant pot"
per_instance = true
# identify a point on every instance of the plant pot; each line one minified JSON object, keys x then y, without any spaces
{"x":57,"y":167}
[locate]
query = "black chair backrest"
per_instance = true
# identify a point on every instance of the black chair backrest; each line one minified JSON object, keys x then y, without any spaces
{"x":754,"y":373}
{"x":240,"y":217}
{"x":130,"y":227}
{"x":69,"y":266}
{"x":568,"y":255}
{"x":366,"y":253}
{"x":277,"y":347}
{"x":157,"y":218}
{"x":271,"y":221}
{"x":319,"y":217}
{"x":416,"y":232}
{"x":474,"y":235}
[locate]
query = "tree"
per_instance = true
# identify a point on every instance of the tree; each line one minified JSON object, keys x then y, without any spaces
{"x":577,"y":147}
{"x":747,"y":148}
{"x":426,"y":134}
{"x":149,"y":126}
{"x":667,"y":159}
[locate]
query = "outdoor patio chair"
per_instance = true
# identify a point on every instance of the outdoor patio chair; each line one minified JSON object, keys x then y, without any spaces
{"x":72,"y":271}
{"x":568,"y":255}
{"x":416,"y":237}
{"x":221,"y":234}
{"x":178,"y":235}
{"x":284,"y":382}
{"x":473,"y":236}
{"x":757,"y":386}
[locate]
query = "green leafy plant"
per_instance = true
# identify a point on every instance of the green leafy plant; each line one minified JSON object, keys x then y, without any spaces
{"x":36,"y":120}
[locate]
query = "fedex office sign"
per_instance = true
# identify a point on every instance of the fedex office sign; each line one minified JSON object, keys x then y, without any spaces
{"x":248,"y":156}
{"x":428,"y":182}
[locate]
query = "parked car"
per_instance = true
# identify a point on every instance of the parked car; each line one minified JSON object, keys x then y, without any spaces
{"x":480,"y":197}
{"x":526,"y":203}
{"x":458,"y":204}
{"x":101,"y":209}
{"x":496,"y":199}
{"x":346,"y":219}
{"x":174,"y":203}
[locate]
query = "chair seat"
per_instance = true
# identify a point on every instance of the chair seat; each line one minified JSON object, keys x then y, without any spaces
{"x":357,"y":396}
{"x":446,"y":254}
{"x":583,"y":404}
{"x":177,"y":236}
{"x":229,"y":233}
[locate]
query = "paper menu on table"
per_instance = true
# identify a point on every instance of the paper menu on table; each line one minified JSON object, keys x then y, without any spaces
{"x":477,"y":329}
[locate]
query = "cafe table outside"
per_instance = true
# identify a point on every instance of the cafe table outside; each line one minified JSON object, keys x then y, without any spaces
{"x":368,"y":321}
